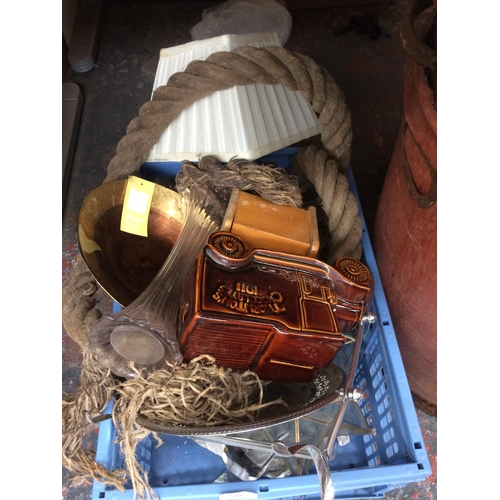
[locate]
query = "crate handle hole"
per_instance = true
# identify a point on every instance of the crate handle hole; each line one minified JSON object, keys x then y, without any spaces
{"x":420,"y":466}
{"x":263,"y":489}
{"x":418,"y":446}
{"x":385,"y":323}
{"x":102,"y":494}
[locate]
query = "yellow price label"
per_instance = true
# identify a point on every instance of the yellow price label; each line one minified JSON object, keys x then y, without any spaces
{"x":136,"y":206}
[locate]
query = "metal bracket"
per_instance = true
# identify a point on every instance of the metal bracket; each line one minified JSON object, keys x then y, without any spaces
{"x":349,"y":393}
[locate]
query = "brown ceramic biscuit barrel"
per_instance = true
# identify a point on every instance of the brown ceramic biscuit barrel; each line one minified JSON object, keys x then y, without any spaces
{"x":281,"y":315}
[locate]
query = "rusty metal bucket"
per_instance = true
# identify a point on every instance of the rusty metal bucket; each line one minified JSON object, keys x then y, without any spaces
{"x":406,"y":235}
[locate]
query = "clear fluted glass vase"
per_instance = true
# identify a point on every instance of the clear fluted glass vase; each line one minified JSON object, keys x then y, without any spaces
{"x":145,"y":332}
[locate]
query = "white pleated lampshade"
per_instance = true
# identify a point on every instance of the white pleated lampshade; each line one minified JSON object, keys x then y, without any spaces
{"x":247,"y":121}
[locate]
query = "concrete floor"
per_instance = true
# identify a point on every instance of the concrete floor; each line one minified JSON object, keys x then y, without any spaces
{"x":369,"y":71}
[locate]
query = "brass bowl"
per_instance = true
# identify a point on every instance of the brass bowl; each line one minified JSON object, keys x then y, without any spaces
{"x":124,"y":264}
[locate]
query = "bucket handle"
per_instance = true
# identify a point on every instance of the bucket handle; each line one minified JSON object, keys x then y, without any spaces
{"x":425,"y":200}
{"x":415,"y":47}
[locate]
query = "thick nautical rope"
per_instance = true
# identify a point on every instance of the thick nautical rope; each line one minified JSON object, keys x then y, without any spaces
{"x":223,"y":70}
{"x":338,"y":202}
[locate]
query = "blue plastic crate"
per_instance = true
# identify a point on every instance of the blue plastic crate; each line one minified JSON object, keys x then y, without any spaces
{"x":367,"y":467}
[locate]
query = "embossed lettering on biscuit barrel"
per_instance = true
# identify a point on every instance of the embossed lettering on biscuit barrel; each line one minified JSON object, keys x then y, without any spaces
{"x":281,"y":315}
